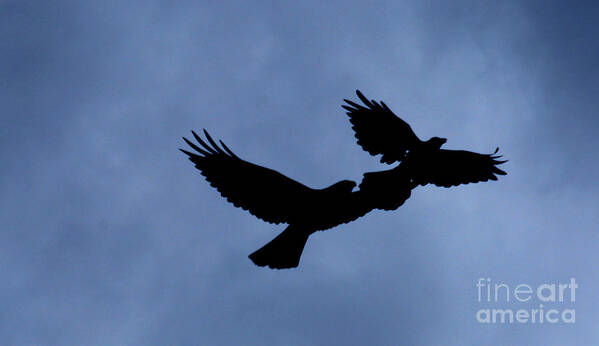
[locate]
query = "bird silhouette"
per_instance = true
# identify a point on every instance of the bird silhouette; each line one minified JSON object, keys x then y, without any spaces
{"x":379,"y":131}
{"x":275,"y":198}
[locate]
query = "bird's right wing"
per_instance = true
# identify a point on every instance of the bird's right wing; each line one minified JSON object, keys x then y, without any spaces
{"x":387,"y":190}
{"x":265,"y":193}
{"x":379,"y":130}
{"x":448,"y":168}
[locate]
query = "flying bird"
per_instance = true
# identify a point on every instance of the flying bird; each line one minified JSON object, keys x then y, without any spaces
{"x":379,"y":131}
{"x":275,"y":198}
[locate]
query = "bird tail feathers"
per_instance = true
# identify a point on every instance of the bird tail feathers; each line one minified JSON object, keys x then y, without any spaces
{"x":284,"y":251}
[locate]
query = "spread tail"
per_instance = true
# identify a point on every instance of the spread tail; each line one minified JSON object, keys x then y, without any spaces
{"x":284,"y":251}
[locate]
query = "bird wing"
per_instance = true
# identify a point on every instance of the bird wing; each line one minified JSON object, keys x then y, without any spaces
{"x":388,"y":189}
{"x":265,"y":193}
{"x":448,"y":168}
{"x":379,"y":131}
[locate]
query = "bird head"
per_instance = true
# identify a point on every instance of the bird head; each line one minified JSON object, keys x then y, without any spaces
{"x":436,"y":142}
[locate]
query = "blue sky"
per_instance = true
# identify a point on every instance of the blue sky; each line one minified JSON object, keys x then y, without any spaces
{"x":109,"y":236}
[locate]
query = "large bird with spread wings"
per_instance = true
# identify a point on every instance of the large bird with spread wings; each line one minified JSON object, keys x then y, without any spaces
{"x":380,"y":131}
{"x":275,"y":198}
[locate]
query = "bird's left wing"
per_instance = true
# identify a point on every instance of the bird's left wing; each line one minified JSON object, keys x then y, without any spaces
{"x":379,"y":130}
{"x":448,"y":168}
{"x":265,"y":193}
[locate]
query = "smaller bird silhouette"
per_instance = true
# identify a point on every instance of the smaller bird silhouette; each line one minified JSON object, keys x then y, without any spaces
{"x":380,"y":131}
